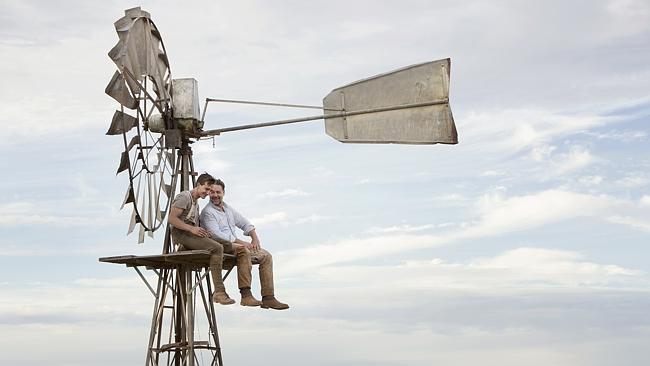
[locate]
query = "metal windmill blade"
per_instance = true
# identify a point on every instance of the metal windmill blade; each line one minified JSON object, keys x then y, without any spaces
{"x":142,"y":84}
{"x":405,"y":106}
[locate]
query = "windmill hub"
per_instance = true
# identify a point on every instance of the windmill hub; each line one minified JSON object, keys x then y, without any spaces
{"x":156,"y":123}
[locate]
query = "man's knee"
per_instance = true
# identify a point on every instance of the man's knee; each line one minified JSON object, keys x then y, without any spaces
{"x":265,"y":257}
{"x":242,"y":250}
{"x":215,"y":248}
{"x":244,"y":254}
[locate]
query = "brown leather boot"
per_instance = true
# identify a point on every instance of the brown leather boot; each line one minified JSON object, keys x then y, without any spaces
{"x":222,"y":298}
{"x":270,"y":302}
{"x":250,"y":301}
{"x":247,"y":298}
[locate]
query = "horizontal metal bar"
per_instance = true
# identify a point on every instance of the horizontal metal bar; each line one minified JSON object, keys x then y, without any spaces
{"x":268,"y":103}
{"x":314,"y":118}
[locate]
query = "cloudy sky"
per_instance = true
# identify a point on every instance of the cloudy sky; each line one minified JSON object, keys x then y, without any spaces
{"x":525,"y":244}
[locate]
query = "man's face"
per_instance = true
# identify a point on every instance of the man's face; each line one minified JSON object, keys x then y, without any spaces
{"x":216,"y":194}
{"x":203,"y":190}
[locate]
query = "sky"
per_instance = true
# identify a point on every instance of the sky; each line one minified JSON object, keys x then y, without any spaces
{"x":526,"y":243}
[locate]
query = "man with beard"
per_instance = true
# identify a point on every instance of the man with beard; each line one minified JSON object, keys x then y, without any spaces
{"x":221,"y":221}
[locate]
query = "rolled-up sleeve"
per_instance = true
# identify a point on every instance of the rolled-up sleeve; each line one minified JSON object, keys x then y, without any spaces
{"x":242,"y":222}
{"x":210,"y":222}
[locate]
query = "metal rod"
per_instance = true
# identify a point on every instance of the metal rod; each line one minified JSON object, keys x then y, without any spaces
{"x":154,"y":323}
{"x":267,"y":103}
{"x":218,"y":131}
{"x":146,"y":282}
{"x":198,"y":282}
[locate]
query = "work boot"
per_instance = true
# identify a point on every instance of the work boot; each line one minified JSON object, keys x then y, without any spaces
{"x":222,"y":298}
{"x":270,"y":302}
{"x":250,"y":301}
{"x":247,"y":298}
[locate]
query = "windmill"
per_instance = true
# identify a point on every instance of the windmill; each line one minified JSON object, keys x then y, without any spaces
{"x":159,"y":117}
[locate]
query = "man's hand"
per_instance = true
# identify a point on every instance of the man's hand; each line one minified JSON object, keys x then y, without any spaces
{"x":254,"y":246}
{"x":200,"y":232}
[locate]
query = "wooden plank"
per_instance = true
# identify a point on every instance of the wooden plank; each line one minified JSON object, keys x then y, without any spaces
{"x":194,"y":258}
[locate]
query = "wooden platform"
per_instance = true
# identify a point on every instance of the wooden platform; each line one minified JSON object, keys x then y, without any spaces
{"x":193,"y":258}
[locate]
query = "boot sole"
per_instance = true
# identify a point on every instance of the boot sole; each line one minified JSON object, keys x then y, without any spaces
{"x":269,"y":307}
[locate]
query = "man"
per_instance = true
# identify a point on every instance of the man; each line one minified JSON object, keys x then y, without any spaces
{"x":184,"y":219}
{"x":221,"y":221}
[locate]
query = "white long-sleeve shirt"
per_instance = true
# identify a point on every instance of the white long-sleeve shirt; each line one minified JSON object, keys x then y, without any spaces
{"x":222,"y":224}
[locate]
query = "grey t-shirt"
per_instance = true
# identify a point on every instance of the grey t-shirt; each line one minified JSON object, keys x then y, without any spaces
{"x":190,"y":214}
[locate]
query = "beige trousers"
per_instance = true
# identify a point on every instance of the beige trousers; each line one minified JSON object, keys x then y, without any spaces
{"x":245,"y":260}
{"x":216,"y":249}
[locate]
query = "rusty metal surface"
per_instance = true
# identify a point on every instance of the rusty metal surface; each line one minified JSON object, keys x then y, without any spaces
{"x":121,"y":123}
{"x":424,"y":86}
{"x":185,"y":94}
{"x":118,"y":90}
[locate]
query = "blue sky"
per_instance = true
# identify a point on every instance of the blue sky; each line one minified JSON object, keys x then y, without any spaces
{"x":526,"y":243}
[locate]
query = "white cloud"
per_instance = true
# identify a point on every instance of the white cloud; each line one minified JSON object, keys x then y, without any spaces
{"x":290,"y":192}
{"x":398,"y":229}
{"x":542,"y":152}
{"x":590,"y":180}
{"x":634,"y":180}
{"x":362,"y":181}
{"x":25,"y":213}
{"x":84,"y":188}
{"x":493,"y":173}
{"x":634,"y":222}
{"x":513,"y":270}
{"x":213,"y":165}
{"x":450,"y":199}
{"x":578,"y":157}
{"x":518,"y":129}
{"x":321,"y":172}
{"x":347,"y":250}
{"x":284,"y":219}
{"x":559,"y":163}
{"x":501,"y":215}
{"x":645,"y":200}
{"x":559,"y":265}
{"x":496,"y":215}
{"x":623,"y":136}
{"x":271,"y":218}
{"x":311,"y":218}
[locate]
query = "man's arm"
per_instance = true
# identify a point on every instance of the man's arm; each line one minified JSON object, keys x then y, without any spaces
{"x":248,"y":229}
{"x":175,"y":221}
{"x":255,"y":241}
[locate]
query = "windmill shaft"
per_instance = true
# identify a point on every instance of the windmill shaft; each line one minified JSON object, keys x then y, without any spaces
{"x":269,"y":104}
{"x":315,"y":118}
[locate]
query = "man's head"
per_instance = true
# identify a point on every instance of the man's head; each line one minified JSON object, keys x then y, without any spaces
{"x":217,"y":191}
{"x":203,"y":184}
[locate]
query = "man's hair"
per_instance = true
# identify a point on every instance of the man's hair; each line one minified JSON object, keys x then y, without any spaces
{"x":204,"y":178}
{"x":221,"y":183}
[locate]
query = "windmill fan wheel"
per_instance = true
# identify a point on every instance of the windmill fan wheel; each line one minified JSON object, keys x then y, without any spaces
{"x":142,"y":86}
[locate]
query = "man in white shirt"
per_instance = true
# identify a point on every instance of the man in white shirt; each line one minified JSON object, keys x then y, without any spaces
{"x":221,"y":221}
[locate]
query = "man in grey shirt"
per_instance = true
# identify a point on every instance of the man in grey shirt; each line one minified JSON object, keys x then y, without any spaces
{"x":184,"y":219}
{"x":221,"y":221}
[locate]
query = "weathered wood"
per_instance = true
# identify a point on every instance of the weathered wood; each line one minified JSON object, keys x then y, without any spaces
{"x":192,"y":258}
